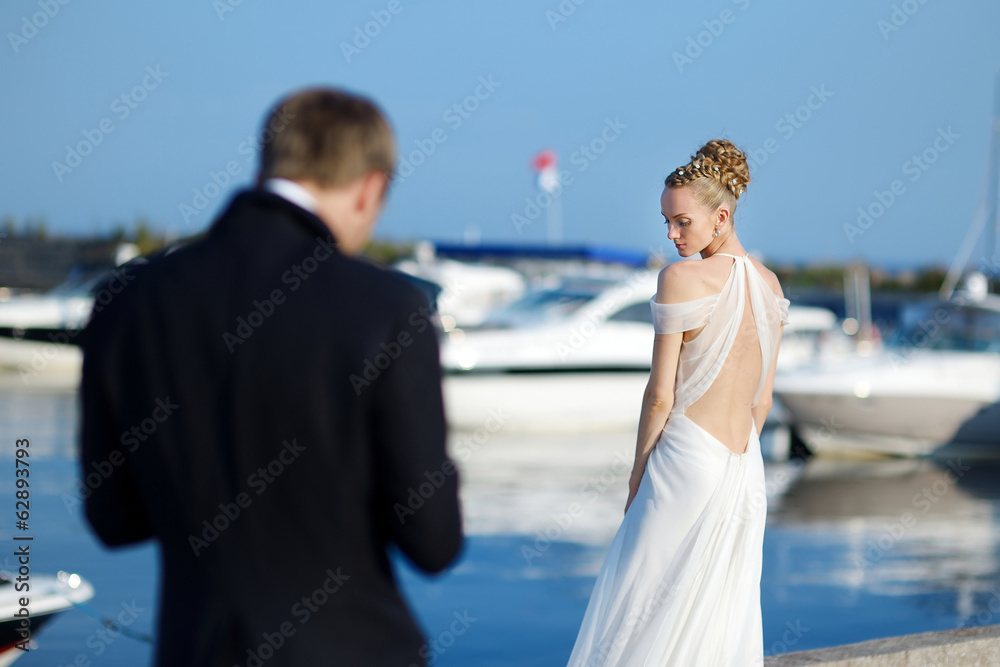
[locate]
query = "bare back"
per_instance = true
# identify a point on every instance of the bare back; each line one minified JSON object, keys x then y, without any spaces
{"x":723,"y":408}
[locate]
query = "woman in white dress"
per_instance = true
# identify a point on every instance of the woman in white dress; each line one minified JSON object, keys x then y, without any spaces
{"x":680,"y":585}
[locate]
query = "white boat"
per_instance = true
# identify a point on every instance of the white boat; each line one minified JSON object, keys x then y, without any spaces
{"x":935,"y":389}
{"x":576,"y":356}
{"x":567,"y":357}
{"x":39,"y":345}
{"x":469,"y":292}
{"x":47,"y":597}
{"x":38,"y":331}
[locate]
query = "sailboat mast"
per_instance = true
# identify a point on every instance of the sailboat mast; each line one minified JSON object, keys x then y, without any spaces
{"x":986,"y":212}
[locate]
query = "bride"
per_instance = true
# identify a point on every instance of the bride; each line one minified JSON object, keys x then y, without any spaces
{"x":680,"y":585}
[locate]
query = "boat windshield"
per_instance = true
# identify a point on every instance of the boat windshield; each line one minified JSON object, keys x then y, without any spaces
{"x":947,"y":326}
{"x":543,"y":306}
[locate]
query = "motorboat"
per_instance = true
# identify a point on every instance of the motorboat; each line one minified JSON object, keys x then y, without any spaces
{"x":575,"y":353}
{"x":934,"y":387}
{"x":38,"y":332}
{"x":469,"y":291}
{"x":47,"y":597}
{"x":576,"y":323}
{"x":569,"y":355}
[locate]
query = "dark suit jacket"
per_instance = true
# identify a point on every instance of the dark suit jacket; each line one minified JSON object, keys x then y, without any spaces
{"x":270,"y":411}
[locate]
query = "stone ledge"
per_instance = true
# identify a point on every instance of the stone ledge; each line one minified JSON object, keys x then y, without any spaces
{"x":964,"y":647}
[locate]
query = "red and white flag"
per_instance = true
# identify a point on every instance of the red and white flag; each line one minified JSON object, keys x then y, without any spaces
{"x":548,"y":175}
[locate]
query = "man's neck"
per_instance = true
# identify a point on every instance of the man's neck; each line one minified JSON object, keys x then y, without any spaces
{"x":293,"y":192}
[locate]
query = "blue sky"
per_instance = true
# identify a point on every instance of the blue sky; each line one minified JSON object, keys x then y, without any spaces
{"x":842,"y":101}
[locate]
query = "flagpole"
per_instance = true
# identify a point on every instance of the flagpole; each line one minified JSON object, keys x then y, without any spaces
{"x":555,"y":220}
{"x":548,"y":182}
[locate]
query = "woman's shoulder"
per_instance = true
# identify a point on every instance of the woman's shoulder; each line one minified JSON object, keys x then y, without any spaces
{"x":683,"y":281}
{"x":769,"y":277}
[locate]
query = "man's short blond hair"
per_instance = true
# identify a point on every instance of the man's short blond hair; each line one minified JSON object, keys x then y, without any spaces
{"x":327,"y":136}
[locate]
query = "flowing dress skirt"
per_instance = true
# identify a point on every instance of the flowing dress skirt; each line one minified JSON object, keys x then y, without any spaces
{"x":680,"y":585}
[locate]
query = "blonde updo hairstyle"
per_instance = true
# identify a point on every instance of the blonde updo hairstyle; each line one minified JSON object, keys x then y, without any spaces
{"x":717,"y":174}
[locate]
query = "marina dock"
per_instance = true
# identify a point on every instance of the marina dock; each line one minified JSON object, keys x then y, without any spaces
{"x":963,"y":647}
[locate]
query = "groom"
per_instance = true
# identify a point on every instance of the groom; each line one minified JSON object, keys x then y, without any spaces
{"x":220,"y":396}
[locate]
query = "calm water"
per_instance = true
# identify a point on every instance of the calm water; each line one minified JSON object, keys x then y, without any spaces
{"x":852,"y":551}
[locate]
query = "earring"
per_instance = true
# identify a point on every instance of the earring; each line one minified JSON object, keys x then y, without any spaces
{"x":716,"y":231}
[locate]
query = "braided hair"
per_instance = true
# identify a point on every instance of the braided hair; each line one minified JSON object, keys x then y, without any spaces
{"x":718,"y":173}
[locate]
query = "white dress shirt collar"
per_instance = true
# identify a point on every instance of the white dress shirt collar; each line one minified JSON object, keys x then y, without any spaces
{"x":291,"y":191}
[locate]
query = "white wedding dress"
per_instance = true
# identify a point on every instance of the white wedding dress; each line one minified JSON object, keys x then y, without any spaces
{"x":680,"y":585}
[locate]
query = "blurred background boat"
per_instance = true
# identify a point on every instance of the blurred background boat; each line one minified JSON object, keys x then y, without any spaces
{"x":934,"y":388}
{"x":38,"y":332}
{"x":469,"y":292}
{"x":48,"y":597}
{"x":574,"y":353}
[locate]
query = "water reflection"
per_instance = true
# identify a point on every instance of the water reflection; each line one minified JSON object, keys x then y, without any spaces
{"x":894,"y":528}
{"x":47,"y":417}
{"x":852,"y":550}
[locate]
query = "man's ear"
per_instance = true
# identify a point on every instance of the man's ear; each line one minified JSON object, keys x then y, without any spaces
{"x":372,"y":190}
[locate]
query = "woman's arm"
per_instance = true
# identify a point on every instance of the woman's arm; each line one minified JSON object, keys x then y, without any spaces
{"x":658,"y":398}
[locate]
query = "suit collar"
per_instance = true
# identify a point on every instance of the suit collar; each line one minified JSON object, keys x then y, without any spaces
{"x":260,"y":198}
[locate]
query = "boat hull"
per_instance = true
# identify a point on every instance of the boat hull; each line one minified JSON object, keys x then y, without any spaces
{"x":49,"y":596}
{"x":938,"y":404}
{"x":539,"y":402}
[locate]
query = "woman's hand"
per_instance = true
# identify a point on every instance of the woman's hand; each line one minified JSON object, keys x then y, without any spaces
{"x":633,"y":486}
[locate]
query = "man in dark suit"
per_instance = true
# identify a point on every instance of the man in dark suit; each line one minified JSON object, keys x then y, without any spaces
{"x":268,"y":408}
